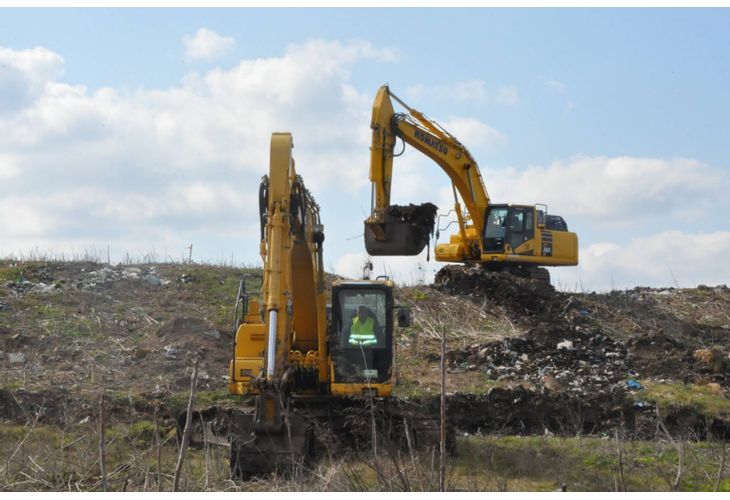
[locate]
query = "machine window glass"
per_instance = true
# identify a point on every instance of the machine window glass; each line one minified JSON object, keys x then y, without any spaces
{"x":362,"y":353}
{"x":517,"y":221}
{"x":363,"y":318}
{"x":496,"y":223}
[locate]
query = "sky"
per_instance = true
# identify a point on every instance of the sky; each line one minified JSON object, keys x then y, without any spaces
{"x":138,"y":132}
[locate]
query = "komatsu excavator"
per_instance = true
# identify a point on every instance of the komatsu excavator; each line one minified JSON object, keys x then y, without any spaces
{"x":294,"y":353}
{"x":519,"y":238}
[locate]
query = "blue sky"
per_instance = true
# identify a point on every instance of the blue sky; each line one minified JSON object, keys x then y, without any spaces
{"x":616,"y":118}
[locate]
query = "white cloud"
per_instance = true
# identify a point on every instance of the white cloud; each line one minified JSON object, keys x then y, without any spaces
{"x":206,"y":45}
{"x":666,"y":259}
{"x":24,"y":74}
{"x":618,"y":188}
{"x":9,"y":167}
{"x":154,"y":165}
{"x":508,"y":96}
{"x":474,"y":133}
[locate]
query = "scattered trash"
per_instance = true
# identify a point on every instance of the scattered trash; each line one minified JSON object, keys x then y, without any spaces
{"x":153,"y":280}
{"x":565,"y":344}
{"x":186,"y":278}
{"x":633,"y":384}
{"x":642,"y":405}
{"x":16,"y":358}
{"x":170,"y":352}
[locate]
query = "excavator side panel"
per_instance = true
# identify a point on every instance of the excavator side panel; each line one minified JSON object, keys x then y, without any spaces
{"x":247,"y":362}
{"x":565,"y":246}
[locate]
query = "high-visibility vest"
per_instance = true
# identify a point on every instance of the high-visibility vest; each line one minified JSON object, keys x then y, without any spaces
{"x":363,"y":333}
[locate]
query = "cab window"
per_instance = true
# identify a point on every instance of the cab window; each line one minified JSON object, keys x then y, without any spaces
{"x":496,"y":223}
{"x":367,"y":306}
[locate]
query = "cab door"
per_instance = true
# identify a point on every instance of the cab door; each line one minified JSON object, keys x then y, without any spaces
{"x":521,"y":229}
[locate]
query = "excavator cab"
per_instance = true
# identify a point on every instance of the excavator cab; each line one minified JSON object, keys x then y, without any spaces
{"x":509,"y":225}
{"x":361,"y":335}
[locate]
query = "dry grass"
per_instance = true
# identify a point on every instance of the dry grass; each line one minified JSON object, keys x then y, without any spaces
{"x":43,"y":458}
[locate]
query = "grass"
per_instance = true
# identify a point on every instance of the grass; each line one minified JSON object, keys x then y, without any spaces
{"x":418,"y":377}
{"x":587,"y":464}
{"x":702,"y":397}
{"x":47,"y":458}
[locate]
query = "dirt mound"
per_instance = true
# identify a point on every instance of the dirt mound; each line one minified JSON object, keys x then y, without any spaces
{"x":595,"y":339}
{"x":521,"y":296}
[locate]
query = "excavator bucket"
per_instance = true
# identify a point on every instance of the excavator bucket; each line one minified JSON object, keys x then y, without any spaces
{"x":405,"y":231}
{"x":257,"y":453}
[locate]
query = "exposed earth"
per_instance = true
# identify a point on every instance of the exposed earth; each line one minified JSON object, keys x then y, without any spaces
{"x":522,"y":358}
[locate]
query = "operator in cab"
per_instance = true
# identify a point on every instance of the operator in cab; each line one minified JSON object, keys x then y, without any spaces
{"x":362,"y":330}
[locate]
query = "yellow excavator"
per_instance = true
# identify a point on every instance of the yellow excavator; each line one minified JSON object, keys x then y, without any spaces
{"x":518,"y":238}
{"x":293,"y":352}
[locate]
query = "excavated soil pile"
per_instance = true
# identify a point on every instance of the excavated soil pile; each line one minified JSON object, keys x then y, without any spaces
{"x":576,"y":362}
{"x":560,"y":350}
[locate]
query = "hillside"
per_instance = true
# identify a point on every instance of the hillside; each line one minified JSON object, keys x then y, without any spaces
{"x":522,"y":359}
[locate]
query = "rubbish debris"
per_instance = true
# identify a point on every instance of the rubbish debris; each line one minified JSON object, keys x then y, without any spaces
{"x":170,"y":352}
{"x":634,"y":385}
{"x":16,"y":358}
{"x":565,"y":344}
{"x":643,"y":405}
{"x":186,"y":278}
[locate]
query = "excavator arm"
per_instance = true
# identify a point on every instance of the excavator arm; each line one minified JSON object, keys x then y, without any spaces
{"x":288,"y":341}
{"x":393,"y":230}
